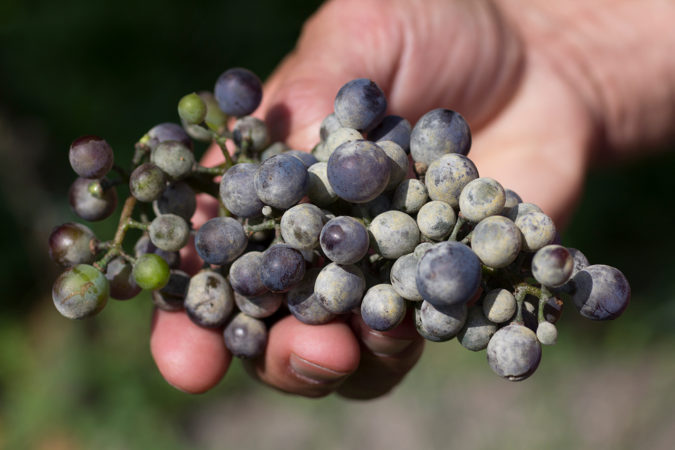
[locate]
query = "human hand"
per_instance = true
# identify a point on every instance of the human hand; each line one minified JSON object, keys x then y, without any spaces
{"x":534,"y":127}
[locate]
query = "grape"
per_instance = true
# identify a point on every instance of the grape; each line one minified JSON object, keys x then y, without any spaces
{"x":446,"y":177}
{"x":360,"y":104}
{"x":307,"y":158}
{"x":512,"y":200}
{"x":437,"y":133}
{"x":436,"y":220}
{"x":580,"y":260}
{"x":382,"y":309}
{"x":402,"y":277}
{"x":209,"y":300}
{"x":394,"y":234}
{"x":275,"y":149}
{"x":520,"y":210}
{"x":151,"y":271}
{"x":319,"y":189}
{"x":449,"y":273}
{"x":439,"y":325}
{"x":245,"y":275}
{"x":174,"y":158}
{"x":336,"y":139}
{"x":91,"y":157}
{"x":120,"y":279}
{"x":552,"y":265}
{"x":238,"y":92}
{"x":245,"y":337}
{"x":422,"y":248}
{"x":329,"y":124}
{"x":192,"y":109}
{"x":214,"y":118}
{"x":602,"y":292}
{"x":409,"y":196}
{"x":392,"y":128}
{"x":166,"y":132}
{"x":282,"y":268}
{"x":220,"y":240}
{"x":547,"y":333}
{"x":237,"y":191}
{"x":499,"y":305}
{"x":169,"y":232}
{"x":252,"y":132}
{"x":281,"y":181}
{"x":344,"y":240}
{"x":514,"y":352}
{"x":553,"y":309}
{"x":538,"y":230}
{"x":497,"y":241}
{"x":145,"y":245}
{"x":304,"y":304}
{"x":398,"y":163}
{"x":340,"y":287}
{"x":358,"y":171}
{"x":71,"y":244}
{"x":147,"y":182}
{"x":260,"y":306}
{"x":172,"y":296}
{"x":477,"y":331}
{"x":481,"y":198}
{"x":301,"y":226}
{"x":86,"y":205}
{"x":530,"y":312}
{"x":177,"y":198}
{"x":81,"y":291}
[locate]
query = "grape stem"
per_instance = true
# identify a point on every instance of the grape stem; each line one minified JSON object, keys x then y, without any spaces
{"x":262,"y":226}
{"x":122,"y":226}
{"x":458,"y":225}
{"x":544,"y":296}
{"x":215,"y":171}
{"x":220,"y":140}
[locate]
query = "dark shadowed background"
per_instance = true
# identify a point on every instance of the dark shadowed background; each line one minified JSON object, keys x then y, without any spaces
{"x":115,"y":69}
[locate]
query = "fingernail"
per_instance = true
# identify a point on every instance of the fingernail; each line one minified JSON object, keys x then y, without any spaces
{"x":313,"y":372}
{"x":383,"y":345}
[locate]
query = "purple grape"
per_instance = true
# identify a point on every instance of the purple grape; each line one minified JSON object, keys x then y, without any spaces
{"x":220,"y":240}
{"x":238,"y":92}
{"x":358,"y":171}
{"x":395,"y":129}
{"x":281,"y":181}
{"x":360,"y":104}
{"x":167,"y":132}
{"x":237,"y":191}
{"x":71,"y":244}
{"x":245,"y":275}
{"x":88,"y":206}
{"x":344,"y":240}
{"x":282,"y":268}
{"x":91,"y":157}
{"x":437,"y":133}
{"x":602,"y":292}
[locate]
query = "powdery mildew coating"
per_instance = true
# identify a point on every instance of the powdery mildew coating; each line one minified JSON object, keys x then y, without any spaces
{"x":209,"y":300}
{"x":552,"y":265}
{"x":382,"y":308}
{"x":481,"y":198}
{"x":319,"y":189}
{"x":499,"y":305}
{"x":446,"y":177}
{"x":174,"y":158}
{"x":477,"y":330}
{"x":360,"y":104}
{"x":538,"y":230}
{"x":437,"y":133}
{"x":409,"y":196}
{"x":394,"y":234}
{"x":514,"y":352}
{"x":439,"y":325}
{"x":398,"y":163}
{"x":602,"y":292}
{"x":169,"y":232}
{"x":402,"y":277}
{"x":497,"y":241}
{"x":340,"y":288}
{"x":301,"y":226}
{"x":436,"y":220}
{"x":305,"y":305}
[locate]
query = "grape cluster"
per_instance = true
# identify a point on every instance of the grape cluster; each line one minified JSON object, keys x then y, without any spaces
{"x":381,"y":219}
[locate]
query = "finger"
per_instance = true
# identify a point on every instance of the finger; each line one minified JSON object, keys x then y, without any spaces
{"x":386,"y":358}
{"x":308,"y":360}
{"x":538,"y":150}
{"x":190,"y":358}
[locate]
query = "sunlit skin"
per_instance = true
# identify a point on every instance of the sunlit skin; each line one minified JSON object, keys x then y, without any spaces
{"x":546,"y":92}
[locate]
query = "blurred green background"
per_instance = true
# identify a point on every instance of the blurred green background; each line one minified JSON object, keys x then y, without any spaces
{"x":117,"y":68}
